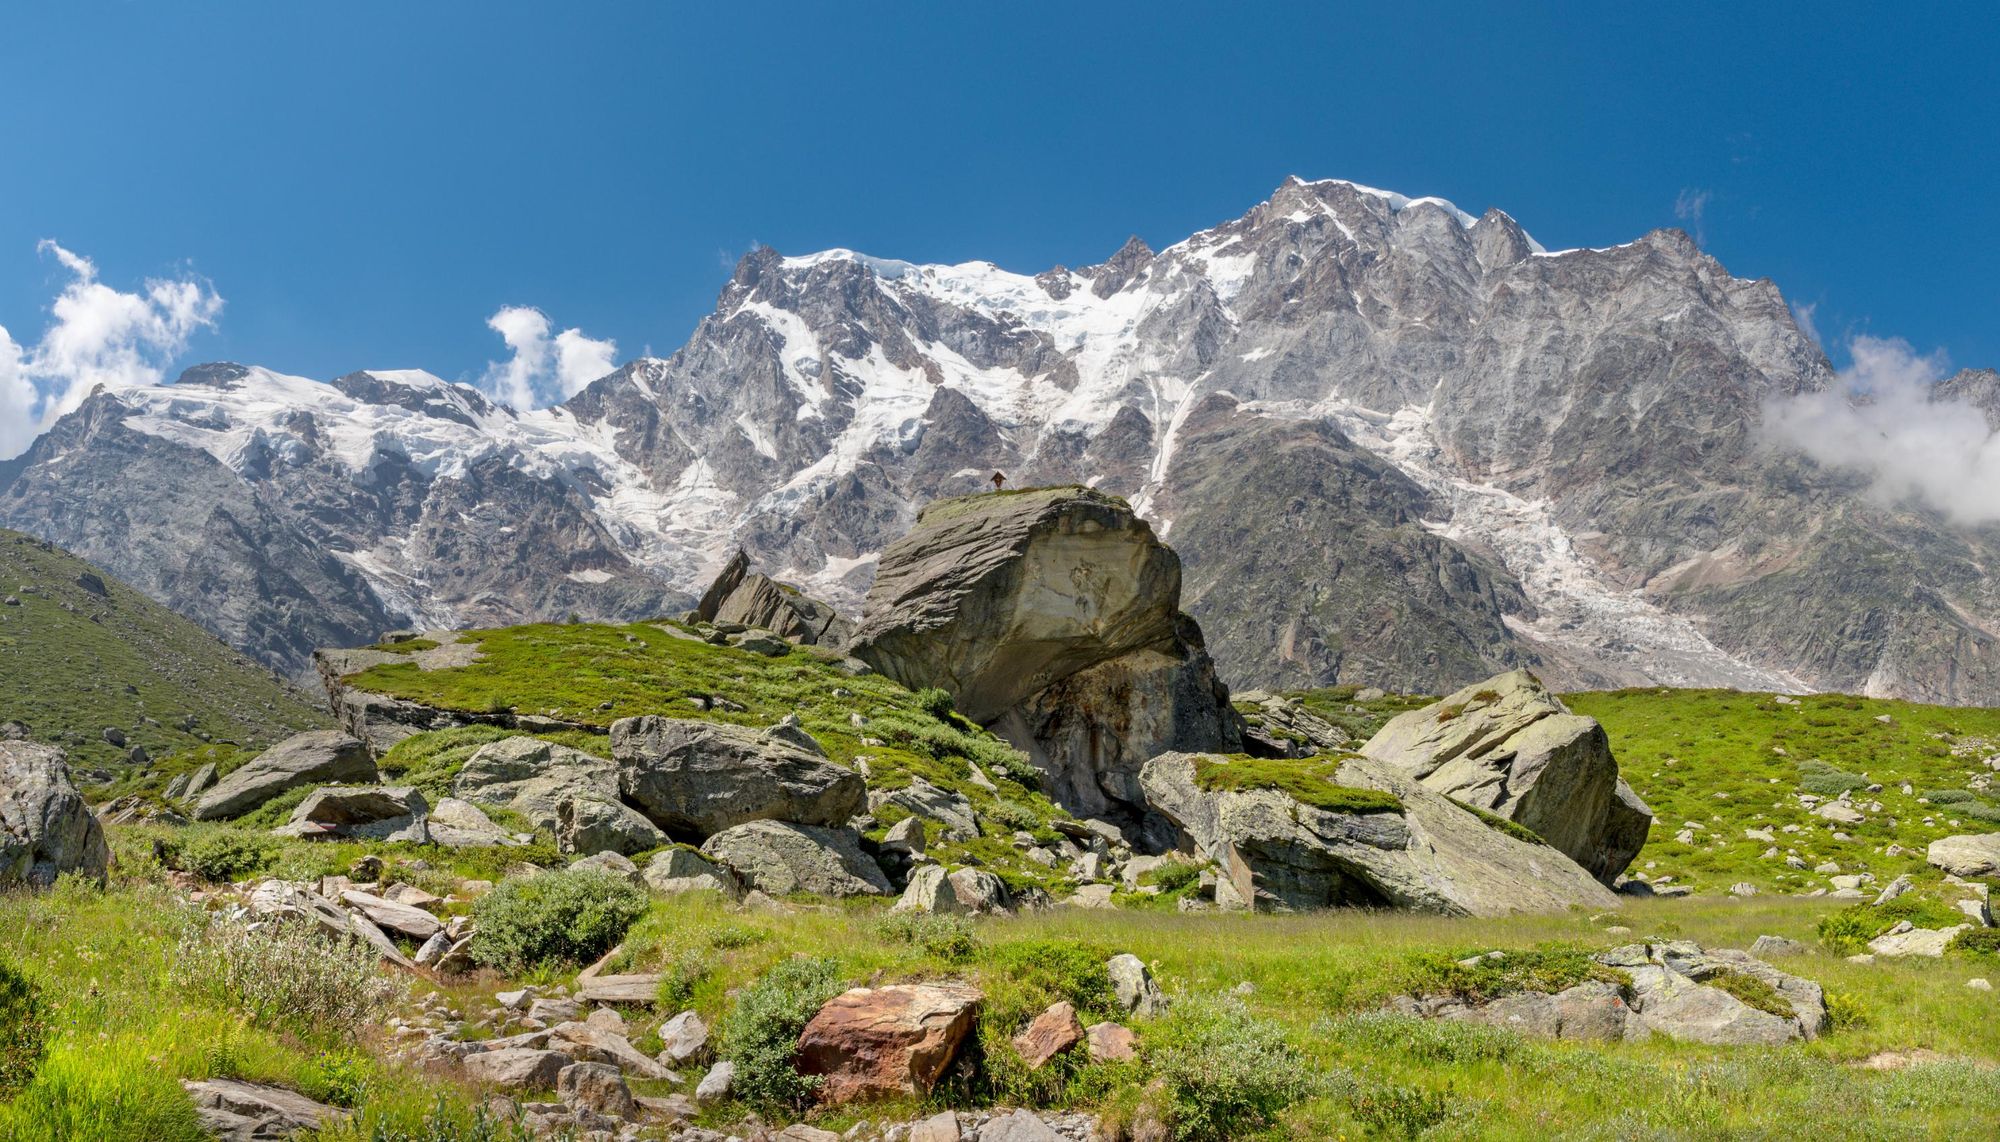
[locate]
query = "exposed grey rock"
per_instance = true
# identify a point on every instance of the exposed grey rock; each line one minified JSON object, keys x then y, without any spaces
{"x":980,"y":891}
{"x":1764,"y":946}
{"x":516,"y":1068}
{"x":1592,"y":1011}
{"x":457,"y":823}
{"x":46,"y":827}
{"x":1967,"y":855}
{"x":598,"y":1088}
{"x":1668,"y":995}
{"x":616,"y":864}
{"x":781,"y":858}
{"x":741,"y":596}
{"x":1430,"y":855}
{"x":714,"y":1086}
{"x":678,"y":869}
{"x":311,"y":758}
{"x":238,"y":1111}
{"x":699,"y":778}
{"x":1510,"y":747}
{"x":1052,"y":616}
{"x":1133,"y":984}
{"x":922,"y":799}
{"x":1018,"y":1126}
{"x":929,"y":890}
{"x":595,"y":1042}
{"x":415,"y":923}
{"x":683,"y":1037}
{"x":1906,"y":939}
{"x":566,"y":791}
{"x":377,"y":812}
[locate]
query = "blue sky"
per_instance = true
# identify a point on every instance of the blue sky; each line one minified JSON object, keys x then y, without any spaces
{"x":365,"y":184}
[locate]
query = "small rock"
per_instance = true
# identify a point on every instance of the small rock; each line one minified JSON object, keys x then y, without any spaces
{"x":1112,"y":1043}
{"x":596,"y":1087}
{"x":1050,"y":1034}
{"x":714,"y":1086}
{"x":1978,"y":983}
{"x":682,"y":1038}
{"x":1132,"y":982}
{"x":937,"y":1128}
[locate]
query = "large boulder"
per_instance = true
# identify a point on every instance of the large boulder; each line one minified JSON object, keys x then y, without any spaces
{"x":368,"y":812}
{"x":698,"y":778}
{"x":235,"y":1111}
{"x":1510,"y":747}
{"x":571,"y":794}
{"x":743,"y":597}
{"x":46,"y":827}
{"x":1420,"y":851}
{"x":886,"y":1042}
{"x":1675,"y":993}
{"x":1969,"y":854}
{"x":316,"y":757}
{"x":1051,"y":615}
{"x":780,"y":858}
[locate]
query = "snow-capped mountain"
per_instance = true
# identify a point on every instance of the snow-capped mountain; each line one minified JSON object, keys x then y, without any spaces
{"x":1393,"y":443}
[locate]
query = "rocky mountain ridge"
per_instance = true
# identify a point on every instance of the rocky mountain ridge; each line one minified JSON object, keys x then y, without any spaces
{"x":1393,"y":443}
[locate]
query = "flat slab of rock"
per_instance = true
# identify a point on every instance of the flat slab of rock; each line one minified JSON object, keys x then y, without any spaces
{"x":1906,"y":939}
{"x":238,"y":1111}
{"x":886,"y":1042}
{"x":637,"y":987}
{"x":570,"y":793}
{"x":1970,"y":854}
{"x":1050,"y":1034}
{"x":371,"y":812}
{"x":46,"y":827}
{"x":780,"y":858}
{"x":516,"y":1068}
{"x":1670,"y":995}
{"x":459,"y":824}
{"x":317,"y":757}
{"x":408,"y":919}
{"x":590,"y":1041}
{"x":699,"y":778}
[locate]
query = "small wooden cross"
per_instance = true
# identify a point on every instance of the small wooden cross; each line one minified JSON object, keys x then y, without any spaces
{"x":999,"y":478}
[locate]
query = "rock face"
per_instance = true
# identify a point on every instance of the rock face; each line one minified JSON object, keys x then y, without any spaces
{"x":1397,"y":444}
{"x":380,"y":813}
{"x":1051,"y":615}
{"x":1430,"y":855}
{"x":780,"y":858}
{"x":1967,"y":855}
{"x":46,"y":827}
{"x":566,"y":791}
{"x":312,"y":758}
{"x":695,"y":779}
{"x":886,"y":1042}
{"x":237,"y":1111}
{"x":741,"y":596}
{"x":1510,"y":747}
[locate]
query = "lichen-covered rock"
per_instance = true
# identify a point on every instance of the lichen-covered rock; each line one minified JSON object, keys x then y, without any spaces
{"x":949,"y":809}
{"x":1132,"y":982}
{"x":457,"y":823}
{"x":1051,"y":615}
{"x":696,"y":778}
{"x":317,"y":757}
{"x":1275,"y":852}
{"x":596,"y":1087}
{"x":780,"y":858}
{"x":1049,"y":1034}
{"x":886,"y":1042}
{"x":677,"y":869}
{"x":1509,"y":746}
{"x":1672,"y":993}
{"x":980,"y":891}
{"x":929,"y":890}
{"x":46,"y":827}
{"x":236,"y":1111}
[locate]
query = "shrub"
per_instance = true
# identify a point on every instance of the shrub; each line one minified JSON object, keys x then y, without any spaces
{"x":761,"y":1033}
{"x":1172,"y":875}
{"x":24,"y":1030}
{"x":1225,"y":1073}
{"x":940,"y":936}
{"x":1547,"y":969}
{"x":1978,"y":811}
{"x":936,"y":702}
{"x":1948,"y":796}
{"x":1983,"y":942}
{"x":1819,"y":778}
{"x":222,"y":854}
{"x":1406,"y":1111}
{"x":571,"y":916}
{"x":287,"y":976}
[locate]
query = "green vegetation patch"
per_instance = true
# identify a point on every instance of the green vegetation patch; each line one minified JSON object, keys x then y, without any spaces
{"x":1501,"y":824}
{"x":1312,"y":781}
{"x":761,"y":1033}
{"x":430,"y":761}
{"x":1477,"y":976}
{"x":1752,"y":992}
{"x":1849,"y":930}
{"x":406,"y":646}
{"x":569,"y":917}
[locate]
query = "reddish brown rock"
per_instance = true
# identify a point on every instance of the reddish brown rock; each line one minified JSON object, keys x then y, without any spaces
{"x":1053,"y":1032}
{"x":886,"y":1042}
{"x":1112,"y":1043}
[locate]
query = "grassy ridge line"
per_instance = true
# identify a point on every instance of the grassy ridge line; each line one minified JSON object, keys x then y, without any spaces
{"x":74,"y":661}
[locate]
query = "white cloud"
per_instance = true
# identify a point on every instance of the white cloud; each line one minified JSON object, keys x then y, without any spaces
{"x":97,"y":336}
{"x":1802,"y":316}
{"x":543,"y":370}
{"x":1691,"y":207}
{"x":1881,"y":418}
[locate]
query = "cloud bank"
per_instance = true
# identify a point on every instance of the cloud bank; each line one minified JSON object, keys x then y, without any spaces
{"x":1883,"y":418}
{"x":543,"y":369}
{"x":96,"y":335}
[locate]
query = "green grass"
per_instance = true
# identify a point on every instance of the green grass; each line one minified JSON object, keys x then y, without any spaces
{"x":1501,"y":824}
{"x":1471,"y":974}
{"x":73,"y":662}
{"x":1311,"y":781}
{"x":1752,"y":991}
{"x":593,"y":674}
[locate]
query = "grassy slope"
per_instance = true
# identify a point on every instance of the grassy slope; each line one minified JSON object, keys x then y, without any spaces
{"x":594,"y":674}
{"x":73,"y":662}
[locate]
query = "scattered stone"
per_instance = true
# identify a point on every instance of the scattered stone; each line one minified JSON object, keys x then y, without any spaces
{"x":516,"y":1068}
{"x":596,"y":1087}
{"x":929,"y":890}
{"x":981,"y":891}
{"x":376,"y":813}
{"x":937,"y":1128}
{"x":1766,"y":946}
{"x":1978,"y":983}
{"x":1970,"y":855}
{"x":1112,"y":1043}
{"x":886,"y":1042}
{"x":237,"y":1111}
{"x":617,"y":864}
{"x":596,"y":1043}
{"x":1020,"y":1126}
{"x":1133,"y":984}
{"x":683,"y":1038}
{"x":1050,"y":1034}
{"x":572,"y":794}
{"x":459,"y":824}
{"x":922,"y":799}
{"x":415,"y":923}
{"x":46,"y":827}
{"x":714,"y":1086}
{"x":781,"y":858}
{"x":1906,"y":939}
{"x":706,"y":777}
{"x":679,"y":869}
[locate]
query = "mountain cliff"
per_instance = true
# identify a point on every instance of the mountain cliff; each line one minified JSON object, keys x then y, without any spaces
{"x":1393,"y":443}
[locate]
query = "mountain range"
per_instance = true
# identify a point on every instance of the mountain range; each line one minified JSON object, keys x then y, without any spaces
{"x":1393,"y":443}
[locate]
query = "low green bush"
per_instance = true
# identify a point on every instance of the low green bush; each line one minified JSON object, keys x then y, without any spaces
{"x":1172,"y":876}
{"x":24,"y":1030}
{"x":1751,"y":991}
{"x":940,"y":936}
{"x":1311,"y":781}
{"x":1948,"y":796}
{"x":1475,"y":978}
{"x":1817,"y":777}
{"x":570,"y":916}
{"x":285,"y":976}
{"x":1977,"y":942}
{"x":222,"y":854}
{"x":1224,"y":1072}
{"x":760,"y":1035}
